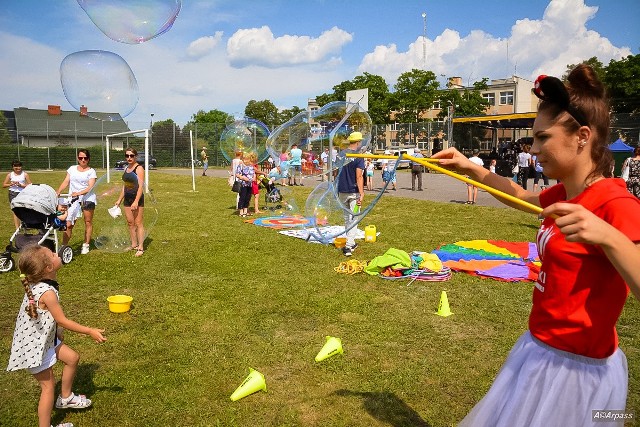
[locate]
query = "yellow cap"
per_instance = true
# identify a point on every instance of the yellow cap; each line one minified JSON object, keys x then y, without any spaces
{"x":355,"y":137}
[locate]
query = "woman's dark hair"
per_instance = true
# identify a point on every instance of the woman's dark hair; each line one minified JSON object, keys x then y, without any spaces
{"x":16,"y":163}
{"x":133,"y":150}
{"x":588,"y":106}
{"x":86,"y":152}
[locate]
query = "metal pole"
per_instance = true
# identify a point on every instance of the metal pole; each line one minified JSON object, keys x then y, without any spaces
{"x":424,"y":41}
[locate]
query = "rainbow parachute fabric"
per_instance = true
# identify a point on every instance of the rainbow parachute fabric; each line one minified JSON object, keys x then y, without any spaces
{"x":496,"y":259}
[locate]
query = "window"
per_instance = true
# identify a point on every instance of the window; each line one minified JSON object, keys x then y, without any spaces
{"x":506,"y":98}
{"x":436,"y":105}
{"x":490,"y":98}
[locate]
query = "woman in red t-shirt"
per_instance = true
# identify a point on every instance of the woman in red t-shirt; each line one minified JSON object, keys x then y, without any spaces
{"x":568,"y":364}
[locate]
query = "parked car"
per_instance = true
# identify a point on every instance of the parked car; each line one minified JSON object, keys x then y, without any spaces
{"x":121,"y":164}
{"x":377,"y":163}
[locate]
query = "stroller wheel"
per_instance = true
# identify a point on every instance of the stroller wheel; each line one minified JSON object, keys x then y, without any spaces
{"x":6,"y":264}
{"x":66,"y":254}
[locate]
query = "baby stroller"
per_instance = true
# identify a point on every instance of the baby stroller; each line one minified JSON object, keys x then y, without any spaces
{"x":272,"y":194}
{"x":35,"y":207}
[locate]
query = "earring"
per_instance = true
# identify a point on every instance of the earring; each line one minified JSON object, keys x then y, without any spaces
{"x":582,"y":143}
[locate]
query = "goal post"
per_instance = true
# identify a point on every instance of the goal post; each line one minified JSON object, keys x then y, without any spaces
{"x":146,"y":153}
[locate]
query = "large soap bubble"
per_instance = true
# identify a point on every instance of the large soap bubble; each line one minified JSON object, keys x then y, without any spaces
{"x":339,"y":119}
{"x":336,"y":119}
{"x":112,"y":234}
{"x":245,"y":135}
{"x":100,"y":80}
{"x":132,"y":21}
{"x":326,"y":207}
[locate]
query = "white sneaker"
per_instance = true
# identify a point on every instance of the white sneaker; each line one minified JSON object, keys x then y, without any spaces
{"x":85,"y":249}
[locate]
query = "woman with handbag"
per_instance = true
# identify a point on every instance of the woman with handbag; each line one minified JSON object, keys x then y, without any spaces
{"x":631,"y":169}
{"x":233,"y":180}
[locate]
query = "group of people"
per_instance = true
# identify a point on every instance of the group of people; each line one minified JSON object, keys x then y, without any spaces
{"x":38,"y":338}
{"x":589,"y":246}
{"x":81,"y":201}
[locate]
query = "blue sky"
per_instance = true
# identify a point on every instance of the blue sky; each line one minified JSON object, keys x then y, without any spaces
{"x":220,"y":54}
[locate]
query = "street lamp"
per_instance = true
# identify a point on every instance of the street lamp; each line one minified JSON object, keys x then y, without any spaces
{"x":424,"y":41}
{"x":151,"y":136}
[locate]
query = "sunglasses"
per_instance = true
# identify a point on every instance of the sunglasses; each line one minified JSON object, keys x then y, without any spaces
{"x":130,"y":155}
{"x":83,"y":158}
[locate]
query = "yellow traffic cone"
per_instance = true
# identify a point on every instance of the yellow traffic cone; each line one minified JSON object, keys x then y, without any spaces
{"x":332,"y":347}
{"x":254,"y":382}
{"x":443,"y":307}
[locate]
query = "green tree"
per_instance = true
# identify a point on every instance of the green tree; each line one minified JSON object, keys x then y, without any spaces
{"x":209,"y":124}
{"x":594,"y":62}
{"x":623,"y":81}
{"x":415,"y":93}
{"x":287,"y":114}
{"x":339,"y":93}
{"x":378,"y":95}
{"x":5,"y":138}
{"x":465,"y":102}
{"x":264,"y":111}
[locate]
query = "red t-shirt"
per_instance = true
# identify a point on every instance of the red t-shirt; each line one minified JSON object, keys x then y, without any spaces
{"x":579,"y":295}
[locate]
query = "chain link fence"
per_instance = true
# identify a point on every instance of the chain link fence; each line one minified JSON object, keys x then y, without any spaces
{"x":171,"y":144}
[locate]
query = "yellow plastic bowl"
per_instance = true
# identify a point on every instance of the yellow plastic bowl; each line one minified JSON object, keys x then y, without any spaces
{"x":119,"y":303}
{"x":340,"y":242}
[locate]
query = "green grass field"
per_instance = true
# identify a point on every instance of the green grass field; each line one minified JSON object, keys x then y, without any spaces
{"x":214,"y":296}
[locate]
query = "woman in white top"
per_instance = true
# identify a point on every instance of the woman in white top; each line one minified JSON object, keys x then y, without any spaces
{"x":237,"y":161}
{"x":524,"y":161}
{"x":16,"y":180}
{"x":80,"y":180}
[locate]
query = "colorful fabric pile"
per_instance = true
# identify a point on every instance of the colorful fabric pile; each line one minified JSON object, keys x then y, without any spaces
{"x":397,"y":264}
{"x":495,"y":259}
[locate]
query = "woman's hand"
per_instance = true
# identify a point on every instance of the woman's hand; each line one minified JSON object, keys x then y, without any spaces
{"x":454,"y":160}
{"x":578,"y":224}
{"x":134,"y":206}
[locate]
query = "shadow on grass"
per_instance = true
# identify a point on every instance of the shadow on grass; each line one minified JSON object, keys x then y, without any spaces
{"x":82,"y":384}
{"x":387,"y":407}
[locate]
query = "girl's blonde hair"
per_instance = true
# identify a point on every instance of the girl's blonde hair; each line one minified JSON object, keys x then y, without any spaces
{"x":33,"y":264}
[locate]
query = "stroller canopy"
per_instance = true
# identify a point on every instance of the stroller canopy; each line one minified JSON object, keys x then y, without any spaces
{"x":36,"y":197}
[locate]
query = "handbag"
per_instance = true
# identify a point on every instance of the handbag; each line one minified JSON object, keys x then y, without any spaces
{"x":236,"y":186}
{"x":516,"y":169}
{"x":625,"y":170}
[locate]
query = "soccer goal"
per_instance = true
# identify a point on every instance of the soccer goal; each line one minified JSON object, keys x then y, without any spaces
{"x":146,"y":153}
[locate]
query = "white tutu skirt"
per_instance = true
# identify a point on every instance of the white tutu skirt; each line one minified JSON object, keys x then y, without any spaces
{"x":541,"y":386}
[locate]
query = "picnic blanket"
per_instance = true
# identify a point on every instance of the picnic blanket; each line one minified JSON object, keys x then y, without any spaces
{"x":280,"y":222}
{"x":496,"y":259}
{"x":310,"y":234}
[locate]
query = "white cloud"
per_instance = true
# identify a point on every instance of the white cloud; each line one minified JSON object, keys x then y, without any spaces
{"x":544,"y":46}
{"x":203,"y":46}
{"x":258,"y":46}
{"x":33,"y":72}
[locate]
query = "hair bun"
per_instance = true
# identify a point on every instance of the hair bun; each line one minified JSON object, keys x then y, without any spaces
{"x":583,"y":79}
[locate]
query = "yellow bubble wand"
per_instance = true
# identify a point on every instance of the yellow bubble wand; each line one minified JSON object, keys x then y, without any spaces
{"x":428,"y":163}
